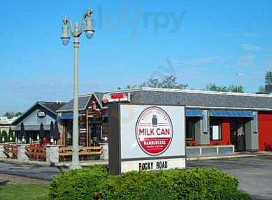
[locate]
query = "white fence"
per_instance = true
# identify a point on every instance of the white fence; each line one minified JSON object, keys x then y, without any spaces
{"x":197,"y":151}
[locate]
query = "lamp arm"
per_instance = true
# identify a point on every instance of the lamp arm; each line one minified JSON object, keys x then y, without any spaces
{"x":70,"y":24}
{"x":87,"y":13}
{"x":82,"y":23}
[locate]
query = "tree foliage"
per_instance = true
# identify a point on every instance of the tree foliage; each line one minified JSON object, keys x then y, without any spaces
{"x":262,"y":89}
{"x":231,"y":88}
{"x":268,"y":78}
{"x":268,"y":81}
{"x":4,"y":136}
{"x":95,"y":183}
{"x":128,"y":87}
{"x":12,"y":114}
{"x":11,"y":135}
{"x":166,"y":82}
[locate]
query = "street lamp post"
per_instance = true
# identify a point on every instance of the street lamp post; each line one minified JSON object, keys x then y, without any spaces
{"x":67,"y":30}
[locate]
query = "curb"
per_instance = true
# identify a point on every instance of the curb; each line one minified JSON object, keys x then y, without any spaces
{"x":45,"y":164}
{"x":14,"y":161}
{"x":220,"y":157}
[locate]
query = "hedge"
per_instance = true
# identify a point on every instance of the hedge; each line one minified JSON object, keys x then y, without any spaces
{"x":95,"y":183}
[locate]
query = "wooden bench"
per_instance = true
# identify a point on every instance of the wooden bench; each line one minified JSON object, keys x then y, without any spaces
{"x":11,"y":151}
{"x":85,"y":153}
{"x":36,"y":152}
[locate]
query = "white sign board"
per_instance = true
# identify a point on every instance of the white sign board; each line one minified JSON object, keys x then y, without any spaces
{"x":152,"y":137}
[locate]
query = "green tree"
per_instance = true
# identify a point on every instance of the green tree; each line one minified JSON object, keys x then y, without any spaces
{"x":128,"y":87}
{"x":11,"y":136}
{"x":268,"y":78}
{"x":18,"y":114}
{"x":268,"y":81}
{"x":4,"y":136}
{"x":0,"y":136}
{"x":166,"y":82}
{"x":213,"y":87}
{"x":12,"y":114}
{"x":231,"y":88}
{"x":261,"y":89}
{"x":9,"y":114}
{"x":236,"y":88}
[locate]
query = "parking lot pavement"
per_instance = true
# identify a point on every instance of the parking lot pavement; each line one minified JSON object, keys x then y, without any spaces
{"x":30,"y":171}
{"x":254,"y":173}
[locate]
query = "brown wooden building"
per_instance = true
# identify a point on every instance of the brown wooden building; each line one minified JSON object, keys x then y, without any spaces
{"x":93,"y":121}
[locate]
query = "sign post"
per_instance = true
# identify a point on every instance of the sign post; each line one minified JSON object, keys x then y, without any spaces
{"x":146,"y":137}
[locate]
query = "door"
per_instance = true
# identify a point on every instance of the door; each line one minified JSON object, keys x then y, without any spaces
{"x":241,"y":142}
{"x":238,"y":135}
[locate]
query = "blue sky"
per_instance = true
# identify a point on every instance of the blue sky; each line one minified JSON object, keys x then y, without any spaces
{"x":201,"y":42}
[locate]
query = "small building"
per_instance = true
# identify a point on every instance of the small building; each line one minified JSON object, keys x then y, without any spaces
{"x":40,"y":113}
{"x":5,"y":123}
{"x":93,"y":125}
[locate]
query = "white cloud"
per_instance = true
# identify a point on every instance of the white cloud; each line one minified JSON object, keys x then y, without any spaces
{"x":245,"y":61}
{"x":200,"y":61}
{"x":249,"y":47}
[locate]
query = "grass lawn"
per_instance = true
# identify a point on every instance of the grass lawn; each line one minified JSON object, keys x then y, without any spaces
{"x":24,"y":192}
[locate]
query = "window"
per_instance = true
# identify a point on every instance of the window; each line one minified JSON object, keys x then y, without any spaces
{"x":215,"y":130}
{"x":190,"y":128}
{"x":69,"y":132}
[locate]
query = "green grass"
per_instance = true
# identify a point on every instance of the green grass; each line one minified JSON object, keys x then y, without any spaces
{"x":24,"y":192}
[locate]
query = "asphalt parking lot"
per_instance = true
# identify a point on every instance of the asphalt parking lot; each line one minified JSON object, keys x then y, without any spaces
{"x":30,"y":171}
{"x":254,"y":173}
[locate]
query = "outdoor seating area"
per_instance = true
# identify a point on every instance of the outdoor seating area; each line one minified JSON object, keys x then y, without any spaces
{"x":85,"y":153}
{"x":36,"y":152}
{"x":10,"y":150}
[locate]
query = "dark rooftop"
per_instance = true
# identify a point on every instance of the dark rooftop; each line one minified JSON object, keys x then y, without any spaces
{"x":53,"y":106}
{"x":50,"y":106}
{"x":83,"y":101}
{"x":201,"y":99}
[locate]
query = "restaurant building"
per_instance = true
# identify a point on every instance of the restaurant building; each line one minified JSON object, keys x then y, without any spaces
{"x":42,"y":113}
{"x":214,"y":118}
{"x":243,"y":120}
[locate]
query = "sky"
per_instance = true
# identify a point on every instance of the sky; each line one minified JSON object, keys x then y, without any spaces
{"x":201,"y":42}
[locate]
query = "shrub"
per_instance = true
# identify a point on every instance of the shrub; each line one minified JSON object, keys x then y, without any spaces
{"x":79,"y":184}
{"x":4,"y":136}
{"x":175,"y":184}
{"x":94,"y":183}
{"x":11,"y":136}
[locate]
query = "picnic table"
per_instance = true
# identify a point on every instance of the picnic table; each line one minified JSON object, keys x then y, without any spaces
{"x":36,"y":152}
{"x":11,"y":151}
{"x":85,"y":153}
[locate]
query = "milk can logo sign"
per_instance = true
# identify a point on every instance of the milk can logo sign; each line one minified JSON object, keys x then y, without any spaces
{"x":154,"y":131}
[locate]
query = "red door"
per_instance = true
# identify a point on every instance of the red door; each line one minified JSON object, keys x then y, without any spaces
{"x":265,"y":130}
